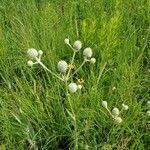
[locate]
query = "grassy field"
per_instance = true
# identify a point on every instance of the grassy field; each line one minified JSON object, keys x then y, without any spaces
{"x":35,"y":112}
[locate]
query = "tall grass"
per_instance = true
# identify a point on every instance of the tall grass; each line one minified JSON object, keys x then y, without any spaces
{"x":33,"y":104}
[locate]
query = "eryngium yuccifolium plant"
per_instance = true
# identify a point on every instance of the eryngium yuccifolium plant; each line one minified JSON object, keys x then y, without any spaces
{"x":65,"y":72}
{"x":115,"y":113}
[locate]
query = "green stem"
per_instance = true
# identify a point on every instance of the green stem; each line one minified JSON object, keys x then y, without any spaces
{"x":78,"y":68}
{"x":73,"y":57}
{"x":48,"y":70}
{"x":72,"y":111}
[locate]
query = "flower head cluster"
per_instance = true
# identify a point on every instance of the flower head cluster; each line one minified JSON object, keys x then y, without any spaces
{"x":63,"y":68}
{"x":87,"y":52}
{"x":34,"y":55}
{"x":115,"y":112}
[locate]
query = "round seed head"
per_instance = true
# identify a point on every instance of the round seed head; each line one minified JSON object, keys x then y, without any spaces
{"x":66,"y":41}
{"x":104,"y":104}
{"x":72,"y":87}
{"x":62,"y":66}
{"x":87,"y":52}
{"x":118,"y":120}
{"x":125,"y":107}
{"x":77,"y":45}
{"x":33,"y":53}
{"x":93,"y":60}
{"x":30,"y":63}
{"x":115,"y":112}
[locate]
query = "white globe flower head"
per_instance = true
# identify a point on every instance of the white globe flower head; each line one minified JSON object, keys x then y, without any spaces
{"x":30,"y":63}
{"x":148,"y":103}
{"x":93,"y":60}
{"x":87,"y":52}
{"x":40,"y":52}
{"x":125,"y":107}
{"x":118,"y":120}
{"x":148,"y":113}
{"x":80,"y":87}
{"x":62,"y":66}
{"x":33,"y":53}
{"x":77,"y":45}
{"x":104,"y":104}
{"x":115,"y":111}
{"x":66,"y":41}
{"x":73,"y":87}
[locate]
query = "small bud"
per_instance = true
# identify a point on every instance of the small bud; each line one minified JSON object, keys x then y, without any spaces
{"x":72,"y":87}
{"x":87,"y":52}
{"x":118,"y":120}
{"x":79,"y":87}
{"x":30,"y":63}
{"x":93,"y":60}
{"x":115,"y":112}
{"x":62,"y":66}
{"x":125,"y":107}
{"x":77,"y":45}
{"x":104,"y":104}
{"x":148,"y":103}
{"x":40,"y":52}
{"x":114,"y":88}
{"x":66,"y":41}
{"x":148,"y":113}
{"x":33,"y":53}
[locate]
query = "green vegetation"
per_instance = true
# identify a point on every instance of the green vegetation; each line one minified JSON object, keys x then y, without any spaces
{"x":33,"y":105}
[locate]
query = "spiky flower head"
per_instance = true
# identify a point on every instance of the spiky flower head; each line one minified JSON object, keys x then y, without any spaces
{"x":93,"y":60}
{"x":66,"y":41}
{"x":62,"y":66}
{"x":118,"y":120}
{"x":30,"y":63}
{"x":72,"y":87}
{"x":77,"y":45}
{"x":104,"y":104}
{"x":87,"y":52}
{"x":32,"y":53}
{"x":115,"y":111}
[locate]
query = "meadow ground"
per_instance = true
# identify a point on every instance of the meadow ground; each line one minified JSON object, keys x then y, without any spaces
{"x":34,"y":110}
